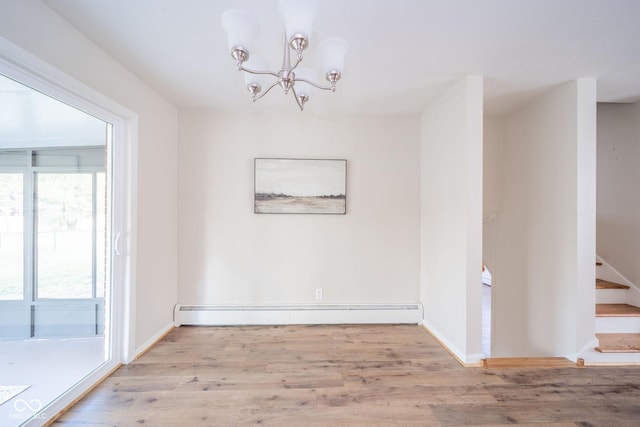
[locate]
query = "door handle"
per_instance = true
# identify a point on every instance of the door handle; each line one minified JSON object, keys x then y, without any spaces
{"x":116,"y":242}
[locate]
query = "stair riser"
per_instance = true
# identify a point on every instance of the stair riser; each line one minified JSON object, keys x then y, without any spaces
{"x":611,"y":296}
{"x":613,"y":325}
{"x":594,"y":357}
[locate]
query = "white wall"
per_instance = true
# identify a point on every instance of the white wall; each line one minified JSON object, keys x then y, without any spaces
{"x":451,"y":218}
{"x":544,"y":274}
{"x":35,"y":28}
{"x":618,"y":211}
{"x":229,"y":255}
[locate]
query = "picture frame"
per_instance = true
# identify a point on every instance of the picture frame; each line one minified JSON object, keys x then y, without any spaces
{"x":300,"y":186}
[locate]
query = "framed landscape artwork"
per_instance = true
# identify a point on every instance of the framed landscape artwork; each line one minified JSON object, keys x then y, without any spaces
{"x":300,"y":186}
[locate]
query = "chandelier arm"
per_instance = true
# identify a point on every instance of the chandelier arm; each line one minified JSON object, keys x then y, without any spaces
{"x":295,"y":95}
{"x":331,"y":88}
{"x":297,"y":63}
{"x":242,"y":68}
{"x":266,"y":91}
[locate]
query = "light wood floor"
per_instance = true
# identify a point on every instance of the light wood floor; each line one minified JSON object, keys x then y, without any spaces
{"x":345,"y":375}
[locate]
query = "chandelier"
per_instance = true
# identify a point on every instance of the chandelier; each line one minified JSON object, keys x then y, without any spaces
{"x":242,"y":32}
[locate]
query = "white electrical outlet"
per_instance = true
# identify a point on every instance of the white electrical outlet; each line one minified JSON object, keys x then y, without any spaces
{"x":318,"y":294}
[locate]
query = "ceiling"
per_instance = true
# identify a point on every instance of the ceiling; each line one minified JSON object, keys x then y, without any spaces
{"x":402,"y":53}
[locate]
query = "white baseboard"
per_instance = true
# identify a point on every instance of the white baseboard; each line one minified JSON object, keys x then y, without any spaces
{"x":211,"y":315}
{"x":464,"y":359}
{"x":151,"y":341}
{"x":586,"y":349}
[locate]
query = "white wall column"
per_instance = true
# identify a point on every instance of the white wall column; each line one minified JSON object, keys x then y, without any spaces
{"x":544,"y":276}
{"x":451,"y":218}
{"x":586,"y":215}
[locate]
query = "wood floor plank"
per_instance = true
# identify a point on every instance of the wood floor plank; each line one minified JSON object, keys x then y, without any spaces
{"x":583,"y":412}
{"x":592,"y":376}
{"x":371,"y":415}
{"x":403,"y":379}
{"x":404,"y":396}
{"x":141,"y":384}
{"x":269,"y":381}
{"x":563,"y":392}
{"x":178,"y":368}
{"x":344,"y":375}
{"x":141,"y":408}
{"x":343,"y":366}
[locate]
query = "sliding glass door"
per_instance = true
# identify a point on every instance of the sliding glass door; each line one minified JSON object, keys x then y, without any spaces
{"x":55,"y":252}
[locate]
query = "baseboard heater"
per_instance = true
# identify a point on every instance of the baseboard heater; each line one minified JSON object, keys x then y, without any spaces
{"x":296,"y":314}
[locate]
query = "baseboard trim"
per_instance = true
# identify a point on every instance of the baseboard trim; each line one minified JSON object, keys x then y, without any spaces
{"x":592,"y":344}
{"x":471,"y":361}
{"x":151,"y":342}
{"x":283,"y":314}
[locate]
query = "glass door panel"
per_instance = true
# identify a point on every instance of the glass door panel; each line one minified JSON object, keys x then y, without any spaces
{"x":11,"y":236}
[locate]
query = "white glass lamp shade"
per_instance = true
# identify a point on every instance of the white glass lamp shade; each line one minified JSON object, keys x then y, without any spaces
{"x":256,"y":64}
{"x":298,"y":16}
{"x":331,"y":53}
{"x":307,"y":74}
{"x":241,"y":28}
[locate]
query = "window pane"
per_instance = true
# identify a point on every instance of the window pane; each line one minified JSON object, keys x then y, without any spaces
{"x":11,"y":236}
{"x":64,"y":212}
{"x":18,"y":158}
{"x":70,"y":158}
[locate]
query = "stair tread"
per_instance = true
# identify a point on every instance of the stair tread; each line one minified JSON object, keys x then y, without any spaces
{"x":618,"y":343}
{"x":528,"y":362}
{"x":617,"y":310}
{"x":604,"y":284}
